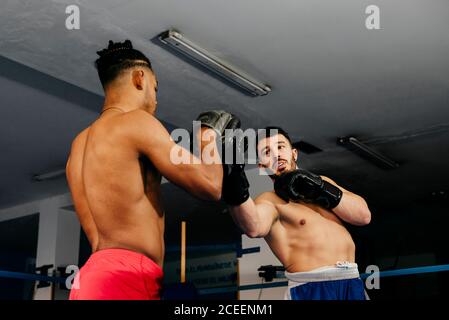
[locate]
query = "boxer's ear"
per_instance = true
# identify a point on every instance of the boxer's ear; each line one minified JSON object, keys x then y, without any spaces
{"x":138,"y":78}
{"x":295,"y":154}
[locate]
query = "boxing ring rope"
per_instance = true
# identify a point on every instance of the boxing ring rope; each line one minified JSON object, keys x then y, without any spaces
{"x":208,"y":291}
{"x":382,"y":274}
{"x":409,"y":271}
{"x":30,"y":277}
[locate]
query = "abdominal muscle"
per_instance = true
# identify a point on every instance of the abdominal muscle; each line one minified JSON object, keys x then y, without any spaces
{"x":307,"y":237}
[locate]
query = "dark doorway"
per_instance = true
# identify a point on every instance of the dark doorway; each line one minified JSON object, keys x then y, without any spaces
{"x":18,"y":247}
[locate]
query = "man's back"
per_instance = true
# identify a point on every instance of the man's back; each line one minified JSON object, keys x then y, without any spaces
{"x":116,"y":190}
{"x":114,"y":174}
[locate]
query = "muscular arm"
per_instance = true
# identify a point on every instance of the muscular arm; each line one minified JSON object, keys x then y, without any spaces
{"x":352,"y":208}
{"x":152,"y":139}
{"x":255,"y":218}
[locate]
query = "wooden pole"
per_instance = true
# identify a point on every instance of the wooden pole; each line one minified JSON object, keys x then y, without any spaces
{"x":183,"y":252}
{"x":238,"y":278}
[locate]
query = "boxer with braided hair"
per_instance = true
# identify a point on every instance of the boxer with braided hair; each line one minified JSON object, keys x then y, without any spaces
{"x":114,"y":173}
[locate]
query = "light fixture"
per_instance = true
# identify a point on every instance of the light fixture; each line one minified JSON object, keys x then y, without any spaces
{"x":184,"y":46}
{"x":366,"y":152}
{"x":49,"y":175}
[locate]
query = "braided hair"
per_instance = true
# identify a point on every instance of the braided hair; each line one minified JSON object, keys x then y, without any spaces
{"x":118,"y":57}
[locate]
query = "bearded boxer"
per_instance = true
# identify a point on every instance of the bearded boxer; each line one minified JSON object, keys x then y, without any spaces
{"x":114,"y":173}
{"x":301,"y":220}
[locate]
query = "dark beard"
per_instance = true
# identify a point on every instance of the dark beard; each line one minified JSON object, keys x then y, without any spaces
{"x":292,"y":166}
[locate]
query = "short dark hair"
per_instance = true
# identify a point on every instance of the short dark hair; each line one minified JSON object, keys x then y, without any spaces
{"x":116,"y":58}
{"x":271,"y":131}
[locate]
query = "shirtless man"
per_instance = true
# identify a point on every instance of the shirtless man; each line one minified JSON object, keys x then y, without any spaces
{"x":301,"y":220}
{"x":114,"y":174}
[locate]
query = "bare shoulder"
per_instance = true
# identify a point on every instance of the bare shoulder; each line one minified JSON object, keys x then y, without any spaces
{"x":76,"y":152}
{"x":141,"y":124}
{"x":266,"y":204}
{"x":79,"y":141}
{"x":140,"y":117}
{"x":269,"y":197}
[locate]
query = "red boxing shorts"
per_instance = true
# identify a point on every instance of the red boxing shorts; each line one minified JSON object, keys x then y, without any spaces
{"x":118,"y":274}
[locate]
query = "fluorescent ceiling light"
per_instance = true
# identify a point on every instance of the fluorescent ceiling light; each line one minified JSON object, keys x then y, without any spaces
{"x":49,"y":175}
{"x":184,"y":46}
{"x":366,"y":152}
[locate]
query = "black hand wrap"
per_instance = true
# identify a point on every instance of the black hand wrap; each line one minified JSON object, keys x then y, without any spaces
{"x":235,"y":184}
{"x":308,"y":187}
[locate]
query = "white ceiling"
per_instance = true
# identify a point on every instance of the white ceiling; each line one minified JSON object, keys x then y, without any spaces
{"x":330,"y":77}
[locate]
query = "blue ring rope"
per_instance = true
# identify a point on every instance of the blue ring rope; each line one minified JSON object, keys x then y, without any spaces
{"x":30,"y":276}
{"x":409,"y":271}
{"x":388,"y":273}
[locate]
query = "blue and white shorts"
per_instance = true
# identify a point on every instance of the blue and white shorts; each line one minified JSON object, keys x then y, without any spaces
{"x":339,"y":282}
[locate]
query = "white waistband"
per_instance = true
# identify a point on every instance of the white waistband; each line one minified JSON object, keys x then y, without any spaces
{"x":339,"y":271}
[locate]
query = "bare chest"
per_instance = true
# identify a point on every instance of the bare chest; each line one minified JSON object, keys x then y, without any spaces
{"x":306,"y":215}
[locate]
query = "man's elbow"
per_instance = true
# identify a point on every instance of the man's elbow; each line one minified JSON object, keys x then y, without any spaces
{"x":213,"y":191}
{"x":253,"y":234}
{"x":365,"y":218}
{"x":216,"y":192}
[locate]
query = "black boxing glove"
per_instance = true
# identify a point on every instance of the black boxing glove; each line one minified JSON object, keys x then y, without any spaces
{"x":308,"y":187}
{"x":235,"y":189}
{"x":219,"y":120}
